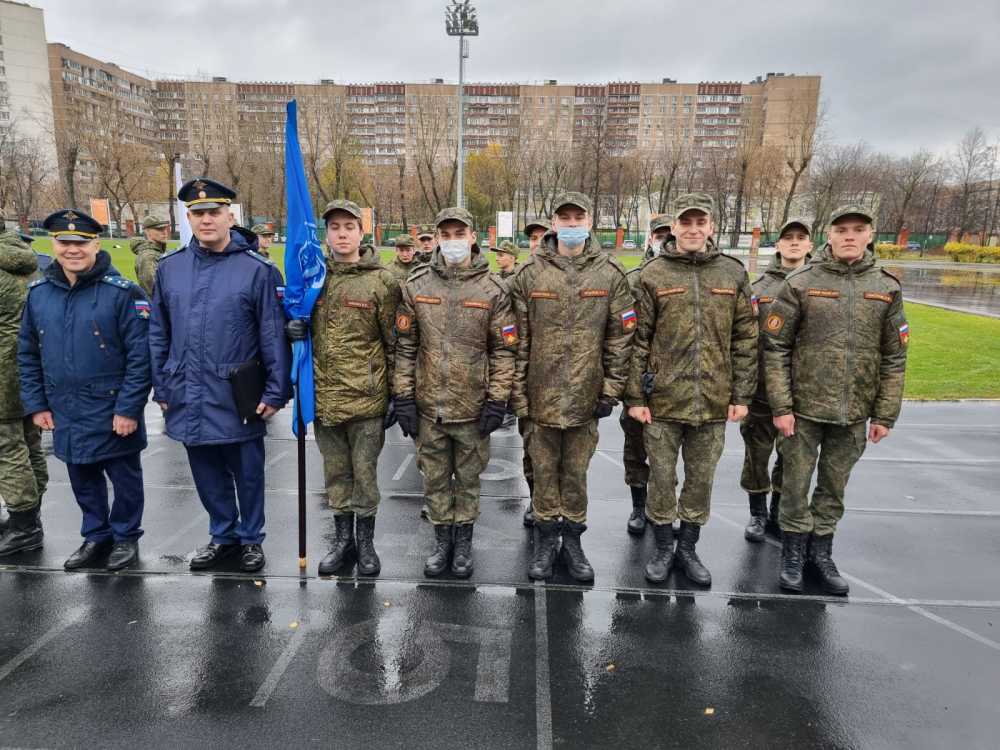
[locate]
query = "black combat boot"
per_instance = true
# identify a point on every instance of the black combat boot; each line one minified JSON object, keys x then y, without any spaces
{"x":793,"y":547}
{"x":772,"y":527}
{"x":687,"y":558}
{"x":546,"y":549}
{"x":529,"y":517}
{"x":344,"y":550}
{"x":754,"y":532}
{"x":438,"y":561}
{"x":658,"y":567}
{"x":368,"y":562}
{"x":820,"y":551}
{"x":461,"y":561}
{"x":23,"y":534}
{"x":576,"y":560}
{"x":637,"y":521}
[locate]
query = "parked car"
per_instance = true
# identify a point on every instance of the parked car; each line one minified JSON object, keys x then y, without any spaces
{"x":523,"y":243}
{"x":608,"y":245}
{"x":628,"y":245}
{"x":391,"y":242}
{"x":913,"y":246}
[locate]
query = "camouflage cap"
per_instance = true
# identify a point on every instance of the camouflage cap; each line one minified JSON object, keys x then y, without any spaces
{"x":265,"y":229}
{"x":572,"y":198}
{"x":852,"y":209}
{"x":659,"y":222}
{"x":536,"y":224}
{"x":154,"y":222}
{"x":793,"y":222}
{"x":404,"y":240}
{"x":692,"y":202}
{"x":348,"y":207}
{"x":425,"y":230}
{"x":453,"y":213}
{"x":507,"y":247}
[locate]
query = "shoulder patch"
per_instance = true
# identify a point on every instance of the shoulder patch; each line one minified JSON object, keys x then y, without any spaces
{"x":37,"y":282}
{"x":257,"y":256}
{"x":118,"y":281}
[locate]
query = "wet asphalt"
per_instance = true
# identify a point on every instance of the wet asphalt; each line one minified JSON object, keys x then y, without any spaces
{"x":161,"y":657}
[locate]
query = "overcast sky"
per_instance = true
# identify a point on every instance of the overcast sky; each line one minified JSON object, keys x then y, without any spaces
{"x":895,"y":75}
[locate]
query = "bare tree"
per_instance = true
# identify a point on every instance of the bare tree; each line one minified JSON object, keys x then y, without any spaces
{"x":805,"y":131}
{"x":431,"y":124}
{"x":969,"y":165}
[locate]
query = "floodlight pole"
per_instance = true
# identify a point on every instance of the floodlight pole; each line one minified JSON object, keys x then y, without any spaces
{"x":460,"y":21}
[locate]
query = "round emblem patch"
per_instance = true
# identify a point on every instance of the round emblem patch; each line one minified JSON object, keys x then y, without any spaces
{"x":774,"y":323}
{"x":202,"y":194}
{"x":71,"y":227}
{"x":403,"y":323}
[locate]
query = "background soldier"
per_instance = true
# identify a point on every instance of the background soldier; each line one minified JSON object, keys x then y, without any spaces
{"x":426,"y":238}
{"x":568,"y":291}
{"x":23,"y":474}
{"x":83,"y":356}
{"x":217,"y":308}
{"x":404,"y":262}
{"x":535,"y":230}
{"x":149,"y":249}
{"x":694,"y":366}
{"x":353,"y":343}
{"x":506,"y":255}
{"x":634,"y":455}
{"x":454,"y":367}
{"x":840,"y":320}
{"x":265,"y":237}
{"x":758,"y":432}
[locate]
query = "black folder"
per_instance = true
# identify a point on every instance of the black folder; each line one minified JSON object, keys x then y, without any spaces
{"x":248,"y":381}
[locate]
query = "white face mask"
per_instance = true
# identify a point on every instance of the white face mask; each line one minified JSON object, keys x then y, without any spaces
{"x":455,"y":251}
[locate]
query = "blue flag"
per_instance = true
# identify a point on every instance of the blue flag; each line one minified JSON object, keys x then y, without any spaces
{"x":305,"y":266}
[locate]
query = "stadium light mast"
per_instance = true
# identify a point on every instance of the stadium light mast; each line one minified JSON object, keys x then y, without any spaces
{"x":460,"y":20}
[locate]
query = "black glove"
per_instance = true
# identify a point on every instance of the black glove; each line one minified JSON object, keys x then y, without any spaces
{"x":390,"y":415}
{"x":297,"y":330}
{"x":604,"y":407}
{"x":491,"y":417}
{"x":406,"y":415}
{"x":647,"y":384}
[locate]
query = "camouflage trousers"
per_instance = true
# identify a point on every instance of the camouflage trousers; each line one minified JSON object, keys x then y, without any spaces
{"x":350,"y":453}
{"x":701,"y":448}
{"x":24,"y":476}
{"x":759,"y":438}
{"x":838,"y":448}
{"x":529,"y":474}
{"x":634,"y":457}
{"x":451,"y":458}
{"x":562,"y":458}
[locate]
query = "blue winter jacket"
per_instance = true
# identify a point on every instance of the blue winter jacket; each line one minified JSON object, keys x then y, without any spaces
{"x":211,"y":313}
{"x":83,"y":354}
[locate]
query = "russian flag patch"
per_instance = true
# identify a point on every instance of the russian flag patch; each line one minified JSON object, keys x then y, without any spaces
{"x":509,"y":334}
{"x":904,"y":334}
{"x":142,"y":309}
{"x":279,"y":292}
{"x":628,"y":319}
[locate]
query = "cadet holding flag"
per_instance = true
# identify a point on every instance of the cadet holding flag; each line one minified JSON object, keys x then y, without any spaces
{"x":216,"y":334}
{"x":454,"y":367}
{"x":835,"y":359}
{"x":83,"y":357}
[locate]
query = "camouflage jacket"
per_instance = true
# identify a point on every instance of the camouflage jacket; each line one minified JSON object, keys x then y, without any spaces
{"x":506,"y":275}
{"x":576,"y":319}
{"x":456,"y":340}
{"x":18,"y":266}
{"x":764,"y":289}
{"x":696,"y":337}
{"x":353,"y":339}
{"x":402,"y":270}
{"x":835,"y":343}
{"x":147,"y":258}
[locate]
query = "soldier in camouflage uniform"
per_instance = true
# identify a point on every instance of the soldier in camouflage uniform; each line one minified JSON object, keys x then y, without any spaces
{"x":634,"y":455}
{"x":535,"y":230}
{"x":694,"y":366}
{"x":506,"y":255}
{"x":404,"y":262}
{"x":454,"y":367}
{"x":23,"y":474}
{"x":758,"y":432}
{"x":265,"y":236}
{"x":835,"y":358}
{"x":427,"y":239}
{"x":576,"y":318}
{"x":353,"y":347}
{"x":149,"y":249}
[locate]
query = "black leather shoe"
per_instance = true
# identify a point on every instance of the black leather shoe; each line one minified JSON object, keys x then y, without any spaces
{"x":252,"y":558}
{"x":637,"y":521}
{"x":576,"y":561}
{"x":123,"y":554}
{"x":461,"y":561}
{"x":88,"y":554}
{"x":368,"y":562}
{"x":438,"y":561}
{"x":344,"y":550}
{"x":211,"y":555}
{"x":686,"y":557}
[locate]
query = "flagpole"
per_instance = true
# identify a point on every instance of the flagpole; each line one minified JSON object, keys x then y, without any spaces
{"x":301,"y":439}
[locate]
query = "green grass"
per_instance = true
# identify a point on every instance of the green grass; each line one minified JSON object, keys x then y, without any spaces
{"x":952,"y":354}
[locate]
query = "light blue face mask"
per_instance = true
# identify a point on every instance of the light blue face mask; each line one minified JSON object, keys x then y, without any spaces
{"x":573,"y":236}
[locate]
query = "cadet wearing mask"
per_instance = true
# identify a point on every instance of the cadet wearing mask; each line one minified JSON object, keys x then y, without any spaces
{"x":454,"y":368}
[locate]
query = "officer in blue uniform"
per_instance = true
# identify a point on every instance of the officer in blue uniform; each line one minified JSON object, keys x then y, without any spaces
{"x":216,"y":307}
{"x":83,"y":358}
